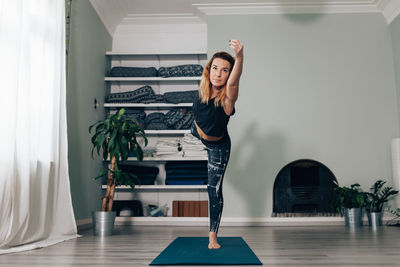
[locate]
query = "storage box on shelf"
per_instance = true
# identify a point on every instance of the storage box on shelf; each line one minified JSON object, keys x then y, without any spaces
{"x":158,"y":194}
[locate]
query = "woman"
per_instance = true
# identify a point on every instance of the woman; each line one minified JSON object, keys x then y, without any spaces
{"x":218,"y":93}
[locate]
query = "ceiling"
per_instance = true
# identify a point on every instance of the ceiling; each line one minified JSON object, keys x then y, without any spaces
{"x":115,"y":12}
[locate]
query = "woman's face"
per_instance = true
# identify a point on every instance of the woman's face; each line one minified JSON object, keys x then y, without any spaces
{"x":219,"y":72}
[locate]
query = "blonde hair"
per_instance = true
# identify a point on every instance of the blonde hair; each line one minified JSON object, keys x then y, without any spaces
{"x":205,"y":84}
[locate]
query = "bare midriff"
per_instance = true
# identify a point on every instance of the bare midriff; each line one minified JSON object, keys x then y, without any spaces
{"x":206,"y":137}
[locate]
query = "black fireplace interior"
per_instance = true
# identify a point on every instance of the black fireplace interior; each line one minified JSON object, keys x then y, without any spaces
{"x":304,"y":186}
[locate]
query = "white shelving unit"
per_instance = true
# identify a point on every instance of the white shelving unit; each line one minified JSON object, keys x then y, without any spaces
{"x":157,"y":79}
{"x":162,"y":187}
{"x":159,"y":193}
{"x":150,"y":105}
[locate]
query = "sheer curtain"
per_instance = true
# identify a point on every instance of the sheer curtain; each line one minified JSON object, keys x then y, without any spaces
{"x":35,"y":200}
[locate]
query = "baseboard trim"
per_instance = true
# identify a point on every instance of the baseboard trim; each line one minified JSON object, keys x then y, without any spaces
{"x":85,"y":224}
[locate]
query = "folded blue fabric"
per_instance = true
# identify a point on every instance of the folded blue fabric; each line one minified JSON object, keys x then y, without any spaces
{"x":186,"y":171}
{"x":134,"y":96}
{"x":187,"y":176}
{"x":171,"y":165}
{"x":181,"y":70}
{"x":181,"y":96}
{"x":133,"y":72}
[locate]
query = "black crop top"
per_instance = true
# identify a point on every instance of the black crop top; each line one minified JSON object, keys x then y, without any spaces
{"x":212,"y":120}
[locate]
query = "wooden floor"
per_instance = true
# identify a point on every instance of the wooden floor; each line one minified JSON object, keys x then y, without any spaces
{"x":274,"y":246}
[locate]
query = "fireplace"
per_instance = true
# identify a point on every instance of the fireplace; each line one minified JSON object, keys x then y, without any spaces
{"x":303,"y":188}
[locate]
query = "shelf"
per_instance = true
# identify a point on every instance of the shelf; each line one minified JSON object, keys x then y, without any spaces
{"x":122,"y":79}
{"x":112,"y":53}
{"x":166,"y":131}
{"x":166,"y":158}
{"x":149,"y":105}
{"x":161,"y":187}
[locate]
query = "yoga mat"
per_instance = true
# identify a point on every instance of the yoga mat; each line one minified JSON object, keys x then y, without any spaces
{"x":195,"y":251}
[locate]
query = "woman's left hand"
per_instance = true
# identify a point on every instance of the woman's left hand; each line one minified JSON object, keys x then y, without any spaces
{"x":237,"y":47}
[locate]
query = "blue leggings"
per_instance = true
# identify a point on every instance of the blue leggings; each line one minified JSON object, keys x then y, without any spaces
{"x":218,"y":157}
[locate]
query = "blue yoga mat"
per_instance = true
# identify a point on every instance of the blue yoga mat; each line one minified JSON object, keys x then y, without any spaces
{"x":195,"y":251}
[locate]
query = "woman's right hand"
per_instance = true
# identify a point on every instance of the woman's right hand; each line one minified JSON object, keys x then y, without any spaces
{"x":237,"y":47}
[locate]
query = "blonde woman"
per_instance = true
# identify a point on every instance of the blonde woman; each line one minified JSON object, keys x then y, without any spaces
{"x":218,"y":93}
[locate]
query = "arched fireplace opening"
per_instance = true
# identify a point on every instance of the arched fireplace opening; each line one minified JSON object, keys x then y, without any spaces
{"x":304,"y":188}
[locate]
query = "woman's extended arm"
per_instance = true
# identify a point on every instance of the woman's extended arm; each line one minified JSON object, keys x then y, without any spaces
{"x":232,"y":85}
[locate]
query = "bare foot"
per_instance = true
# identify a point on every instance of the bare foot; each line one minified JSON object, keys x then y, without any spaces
{"x":213,"y":241}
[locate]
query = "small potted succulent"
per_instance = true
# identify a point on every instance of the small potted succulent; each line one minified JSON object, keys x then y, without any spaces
{"x":115,"y":136}
{"x":376,"y":198}
{"x":349,"y":201}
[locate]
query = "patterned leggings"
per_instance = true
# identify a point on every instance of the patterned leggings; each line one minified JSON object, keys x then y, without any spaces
{"x":218,"y":157}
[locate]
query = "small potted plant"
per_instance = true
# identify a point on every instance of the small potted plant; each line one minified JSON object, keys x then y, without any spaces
{"x":349,"y":201}
{"x":376,"y":198}
{"x":115,"y":136}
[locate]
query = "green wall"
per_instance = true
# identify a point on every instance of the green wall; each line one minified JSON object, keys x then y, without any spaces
{"x":88,"y":64}
{"x":395,"y":30}
{"x":319,"y":87}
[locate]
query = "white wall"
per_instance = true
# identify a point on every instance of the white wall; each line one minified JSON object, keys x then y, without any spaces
{"x":320,"y":87}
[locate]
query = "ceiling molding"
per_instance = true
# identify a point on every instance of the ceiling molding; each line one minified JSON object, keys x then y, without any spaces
{"x":113,"y":13}
{"x":276,"y":7}
{"x":390,"y":9}
{"x":110,"y":15}
{"x":179,"y":18}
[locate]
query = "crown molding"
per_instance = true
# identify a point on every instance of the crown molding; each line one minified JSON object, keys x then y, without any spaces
{"x":390,"y":9}
{"x":171,"y":18}
{"x":276,"y":7}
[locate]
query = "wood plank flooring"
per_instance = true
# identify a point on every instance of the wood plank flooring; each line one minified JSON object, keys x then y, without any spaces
{"x":274,"y":246}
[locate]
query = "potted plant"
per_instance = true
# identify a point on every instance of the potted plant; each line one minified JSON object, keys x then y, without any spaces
{"x":376,"y":198}
{"x":115,"y":136}
{"x":349,"y":201}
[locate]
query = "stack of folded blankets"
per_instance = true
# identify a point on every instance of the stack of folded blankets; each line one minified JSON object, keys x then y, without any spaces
{"x":148,"y":151}
{"x":146,"y":175}
{"x":155,"y":121}
{"x":175,"y":118}
{"x":136,"y":115}
{"x":186,"y":173}
{"x":187,"y":70}
{"x":188,"y":146}
{"x":145,"y":94}
{"x":168,"y":148}
{"x":179,"y":118}
{"x":192,"y":146}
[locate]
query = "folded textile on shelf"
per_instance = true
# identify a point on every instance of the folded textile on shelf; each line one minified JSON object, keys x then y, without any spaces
{"x":196,"y":165}
{"x":148,"y":151}
{"x":181,"y":96}
{"x":146,"y":175}
{"x":179,"y":118}
{"x":156,"y":126}
{"x":189,"y":172}
{"x":181,"y":70}
{"x":134,"y":96}
{"x":121,"y":71}
{"x":157,"y":98}
{"x":137,"y":115}
{"x":168,"y":147}
{"x":192,"y":146}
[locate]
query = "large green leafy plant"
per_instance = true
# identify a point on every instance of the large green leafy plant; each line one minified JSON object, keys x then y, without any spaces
{"x":115,"y":137}
{"x":378,"y":196}
{"x":348,"y":197}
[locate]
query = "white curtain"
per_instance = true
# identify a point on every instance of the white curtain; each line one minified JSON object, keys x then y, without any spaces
{"x":35,"y":200}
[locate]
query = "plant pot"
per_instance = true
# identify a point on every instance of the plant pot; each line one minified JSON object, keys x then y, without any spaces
{"x":374,"y":219}
{"x":103,"y":222}
{"x":353,"y":217}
